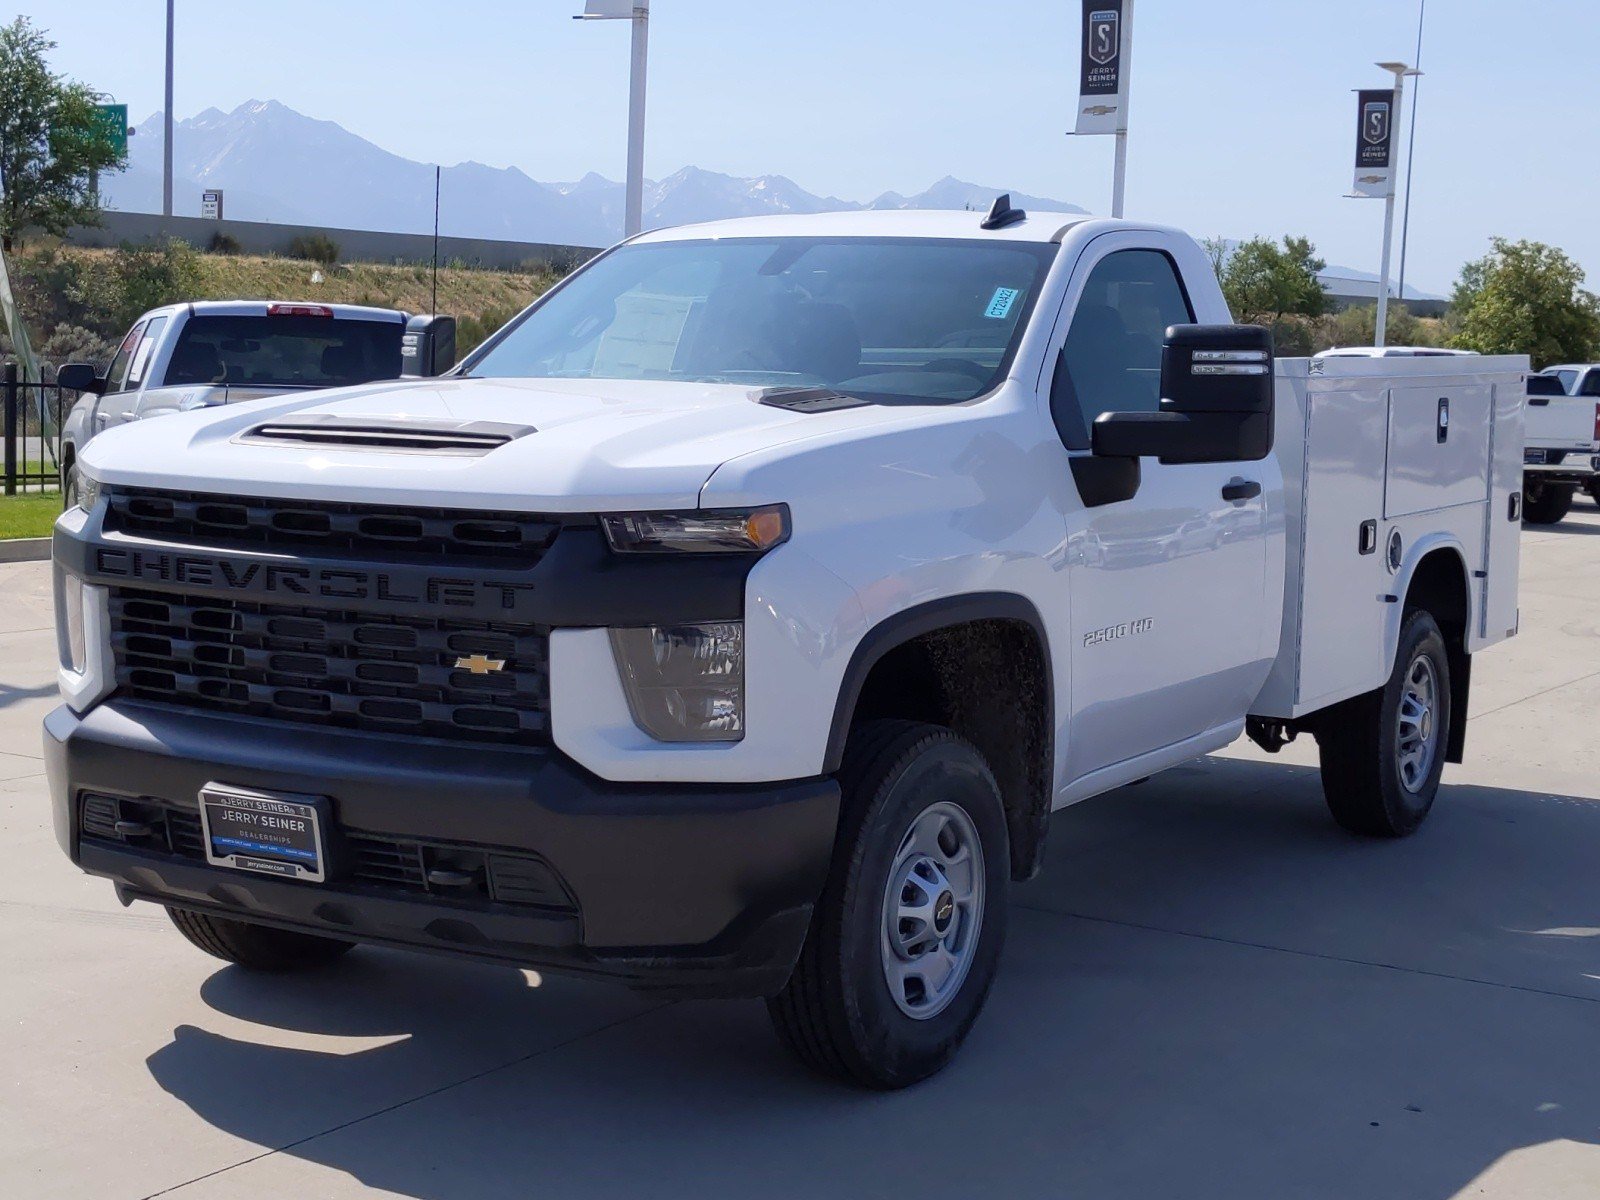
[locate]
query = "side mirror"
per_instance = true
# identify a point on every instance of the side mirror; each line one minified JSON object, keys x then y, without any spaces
{"x":1216,"y":400}
{"x":80,"y":377}
{"x":428,"y":346}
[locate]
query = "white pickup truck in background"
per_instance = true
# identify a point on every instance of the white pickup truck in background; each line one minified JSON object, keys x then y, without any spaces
{"x":1562,"y":451}
{"x":732,"y":622}
{"x":209,"y":352}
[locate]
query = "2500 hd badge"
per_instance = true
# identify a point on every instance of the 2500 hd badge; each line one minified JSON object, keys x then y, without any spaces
{"x":1112,"y":633}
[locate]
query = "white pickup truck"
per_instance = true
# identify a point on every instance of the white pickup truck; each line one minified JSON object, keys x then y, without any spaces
{"x":209,"y":352}
{"x":732,"y":622}
{"x":1562,"y":451}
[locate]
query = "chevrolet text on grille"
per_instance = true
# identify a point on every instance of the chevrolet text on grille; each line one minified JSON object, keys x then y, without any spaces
{"x":334,"y":583}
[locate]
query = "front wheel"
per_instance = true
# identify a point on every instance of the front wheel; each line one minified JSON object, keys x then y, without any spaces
{"x":1383,"y":753}
{"x":906,"y":937}
{"x":1545,"y":503}
{"x":256,"y":947}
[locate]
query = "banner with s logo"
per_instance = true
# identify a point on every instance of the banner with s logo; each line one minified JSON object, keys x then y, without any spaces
{"x":1102,"y":76}
{"x":1375,"y":142}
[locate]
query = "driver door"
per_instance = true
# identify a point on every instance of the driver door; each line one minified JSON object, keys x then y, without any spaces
{"x":1168,"y":588}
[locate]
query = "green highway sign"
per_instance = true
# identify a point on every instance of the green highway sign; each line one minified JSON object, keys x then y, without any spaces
{"x":112,"y":120}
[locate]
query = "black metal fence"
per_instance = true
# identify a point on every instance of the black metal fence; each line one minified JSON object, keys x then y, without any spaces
{"x":31,"y":436}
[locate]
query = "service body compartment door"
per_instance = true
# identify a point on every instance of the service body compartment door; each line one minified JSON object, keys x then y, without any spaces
{"x":1343,"y":577}
{"x":1502,"y":517}
{"x":1438,"y":445}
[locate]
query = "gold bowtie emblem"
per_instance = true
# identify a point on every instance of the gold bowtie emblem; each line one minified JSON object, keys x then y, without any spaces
{"x":480,"y":664}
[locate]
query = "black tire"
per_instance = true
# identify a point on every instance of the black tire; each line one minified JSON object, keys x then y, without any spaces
{"x":837,"y":1013}
{"x":256,"y":947}
{"x":1593,"y":488}
{"x":69,"y":487}
{"x":1364,"y":766}
{"x":1546,"y":503}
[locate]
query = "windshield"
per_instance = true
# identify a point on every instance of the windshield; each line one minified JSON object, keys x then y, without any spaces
{"x":246,"y":351}
{"x":888,"y":319}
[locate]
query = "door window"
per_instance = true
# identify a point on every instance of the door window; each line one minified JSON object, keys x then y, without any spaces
{"x":1111,"y":361}
{"x":117,"y":372}
{"x":146,"y":348}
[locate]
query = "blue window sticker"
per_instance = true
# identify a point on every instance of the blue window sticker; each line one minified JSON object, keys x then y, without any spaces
{"x":1000,"y":303}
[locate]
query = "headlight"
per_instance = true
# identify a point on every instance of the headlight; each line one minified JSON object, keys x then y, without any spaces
{"x":685,"y":683}
{"x":88,"y":488}
{"x":720,"y":531}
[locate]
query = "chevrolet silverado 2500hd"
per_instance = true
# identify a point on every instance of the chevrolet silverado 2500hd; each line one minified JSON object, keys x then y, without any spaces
{"x":732,"y":622}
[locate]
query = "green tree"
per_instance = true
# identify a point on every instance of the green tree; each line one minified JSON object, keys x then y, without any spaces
{"x":1358,"y":326}
{"x":51,"y":142}
{"x":1526,"y":298}
{"x":1265,"y":282}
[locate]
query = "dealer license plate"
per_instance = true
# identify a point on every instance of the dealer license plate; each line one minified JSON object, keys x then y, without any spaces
{"x":270,"y":833}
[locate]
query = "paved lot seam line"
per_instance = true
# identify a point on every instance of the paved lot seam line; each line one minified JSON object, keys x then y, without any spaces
{"x":1338,"y":958}
{"x":410,"y":1100}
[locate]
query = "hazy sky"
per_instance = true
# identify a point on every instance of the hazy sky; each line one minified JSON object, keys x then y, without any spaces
{"x":1243,"y":122}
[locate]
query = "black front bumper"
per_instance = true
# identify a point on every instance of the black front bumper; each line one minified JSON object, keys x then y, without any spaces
{"x":697,"y":889}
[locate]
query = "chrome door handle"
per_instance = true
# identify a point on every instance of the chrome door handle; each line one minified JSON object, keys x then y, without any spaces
{"x":1241,"y":489}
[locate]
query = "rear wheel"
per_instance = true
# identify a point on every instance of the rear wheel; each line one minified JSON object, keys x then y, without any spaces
{"x":256,"y":947}
{"x":1383,"y":753}
{"x":1545,"y":503}
{"x":907,"y":934}
{"x":1593,"y":488}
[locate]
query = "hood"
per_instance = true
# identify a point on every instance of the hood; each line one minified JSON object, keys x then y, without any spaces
{"x":593,"y":444}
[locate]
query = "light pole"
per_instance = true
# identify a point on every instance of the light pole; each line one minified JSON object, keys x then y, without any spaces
{"x":637,"y":11}
{"x":1400,"y":71}
{"x":1411,"y":152}
{"x":166,"y":124}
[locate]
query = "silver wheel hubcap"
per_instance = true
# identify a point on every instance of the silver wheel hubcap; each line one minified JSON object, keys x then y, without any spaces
{"x":1417,"y":734}
{"x":932,"y":911}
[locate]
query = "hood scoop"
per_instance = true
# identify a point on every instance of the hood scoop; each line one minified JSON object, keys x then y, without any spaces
{"x":392,"y":435}
{"x":809,"y":399}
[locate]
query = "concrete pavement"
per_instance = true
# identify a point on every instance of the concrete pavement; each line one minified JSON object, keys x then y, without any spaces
{"x":1211,"y":992}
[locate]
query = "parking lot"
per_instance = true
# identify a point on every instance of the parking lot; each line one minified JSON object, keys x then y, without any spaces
{"x":1210,"y":991}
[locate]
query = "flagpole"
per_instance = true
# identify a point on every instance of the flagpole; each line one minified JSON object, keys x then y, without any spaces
{"x":1380,"y":338}
{"x":1411,"y":152}
{"x":1119,"y":170}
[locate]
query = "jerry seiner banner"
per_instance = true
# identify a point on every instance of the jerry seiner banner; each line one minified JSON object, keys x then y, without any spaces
{"x":1375,"y":143}
{"x":1102,"y":79}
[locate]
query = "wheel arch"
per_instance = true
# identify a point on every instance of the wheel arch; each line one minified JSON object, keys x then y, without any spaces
{"x":1001,"y":633}
{"x":1439,"y":581}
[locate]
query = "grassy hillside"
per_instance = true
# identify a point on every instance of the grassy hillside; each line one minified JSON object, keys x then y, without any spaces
{"x":471,"y":295}
{"x":78,"y":302}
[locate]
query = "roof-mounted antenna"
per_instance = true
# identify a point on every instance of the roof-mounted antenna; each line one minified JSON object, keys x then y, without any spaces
{"x":1002,"y":214}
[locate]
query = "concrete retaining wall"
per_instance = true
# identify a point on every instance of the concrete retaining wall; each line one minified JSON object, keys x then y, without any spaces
{"x":355,"y":245}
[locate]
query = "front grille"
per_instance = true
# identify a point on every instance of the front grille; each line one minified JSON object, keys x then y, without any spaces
{"x":366,"y":859}
{"x":313,"y":528}
{"x":333,"y":667}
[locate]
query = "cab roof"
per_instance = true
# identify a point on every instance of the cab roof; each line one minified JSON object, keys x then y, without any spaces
{"x":1037,"y":227}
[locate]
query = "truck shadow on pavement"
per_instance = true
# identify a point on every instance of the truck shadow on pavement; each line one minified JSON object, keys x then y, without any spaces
{"x":1209,"y":992}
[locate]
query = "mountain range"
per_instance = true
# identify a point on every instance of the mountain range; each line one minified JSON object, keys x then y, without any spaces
{"x":276,"y":164}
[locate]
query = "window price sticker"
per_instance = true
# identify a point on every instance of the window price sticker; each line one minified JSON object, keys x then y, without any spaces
{"x":1000,"y":303}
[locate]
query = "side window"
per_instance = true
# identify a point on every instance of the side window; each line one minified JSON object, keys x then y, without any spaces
{"x":142,"y":353}
{"x":1591,"y":384}
{"x":117,"y":372}
{"x":1111,"y":361}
